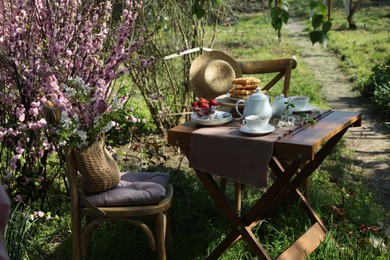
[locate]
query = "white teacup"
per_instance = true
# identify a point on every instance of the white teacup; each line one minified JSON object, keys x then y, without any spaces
{"x":256,"y":122}
{"x":300,"y":102}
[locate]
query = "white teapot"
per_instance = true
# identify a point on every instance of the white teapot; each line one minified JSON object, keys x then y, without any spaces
{"x":279,"y":105}
{"x":256,"y":104}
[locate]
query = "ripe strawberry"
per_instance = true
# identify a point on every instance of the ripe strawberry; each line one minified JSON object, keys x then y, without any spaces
{"x":205,"y":106}
{"x":213,"y":102}
{"x":195,"y":104}
{"x":203,"y":100}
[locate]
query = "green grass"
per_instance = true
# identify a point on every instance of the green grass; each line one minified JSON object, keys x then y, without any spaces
{"x":365,"y":47}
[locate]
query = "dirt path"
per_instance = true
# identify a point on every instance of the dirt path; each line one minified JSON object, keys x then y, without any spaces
{"x":369,"y":142}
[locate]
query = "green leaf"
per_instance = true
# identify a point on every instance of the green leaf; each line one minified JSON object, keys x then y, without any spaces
{"x":201,"y":12}
{"x":277,"y":23}
{"x":194,"y":7}
{"x":285,"y":16}
{"x":313,"y":5}
{"x":326,"y":26}
{"x":315,"y":36}
{"x":275,"y":12}
{"x":322,"y":9}
{"x":316,"y":20}
{"x":284,"y":6}
{"x":197,"y":10}
{"x":218,"y":2}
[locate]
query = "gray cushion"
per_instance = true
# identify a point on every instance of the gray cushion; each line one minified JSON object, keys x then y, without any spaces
{"x":134,"y":188}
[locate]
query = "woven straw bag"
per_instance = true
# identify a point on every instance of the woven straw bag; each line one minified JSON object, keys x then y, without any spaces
{"x":99,"y":171}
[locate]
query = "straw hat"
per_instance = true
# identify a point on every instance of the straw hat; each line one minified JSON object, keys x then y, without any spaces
{"x":211,"y":74}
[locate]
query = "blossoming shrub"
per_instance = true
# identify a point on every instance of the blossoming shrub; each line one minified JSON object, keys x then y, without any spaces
{"x":67,"y":52}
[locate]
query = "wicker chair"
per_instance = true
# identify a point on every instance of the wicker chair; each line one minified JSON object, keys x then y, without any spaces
{"x":96,"y":209}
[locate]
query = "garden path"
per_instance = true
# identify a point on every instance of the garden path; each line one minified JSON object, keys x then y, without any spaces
{"x":370,"y":142}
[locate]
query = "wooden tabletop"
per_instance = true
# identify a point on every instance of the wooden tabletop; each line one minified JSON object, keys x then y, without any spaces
{"x":300,"y":144}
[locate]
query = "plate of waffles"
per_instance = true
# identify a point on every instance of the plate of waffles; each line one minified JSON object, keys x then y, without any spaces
{"x":243,"y":88}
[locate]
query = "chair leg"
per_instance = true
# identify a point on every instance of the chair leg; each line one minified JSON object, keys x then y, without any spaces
{"x":169,"y":240}
{"x":76,"y":235}
{"x":86,"y":238}
{"x":161,"y":224}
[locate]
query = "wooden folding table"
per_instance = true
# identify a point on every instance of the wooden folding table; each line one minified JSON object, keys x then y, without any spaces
{"x":305,"y":148}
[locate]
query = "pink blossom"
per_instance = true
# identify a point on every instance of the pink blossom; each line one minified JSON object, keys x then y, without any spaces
{"x":14,"y":160}
{"x":46,"y":144}
{"x":20,"y":115}
{"x":12,"y":132}
{"x":19,"y":149}
{"x":35,"y":104}
{"x":33,"y":111}
{"x":37,"y":125}
{"x":39,"y":153}
{"x":133,"y":119}
{"x":17,"y":198}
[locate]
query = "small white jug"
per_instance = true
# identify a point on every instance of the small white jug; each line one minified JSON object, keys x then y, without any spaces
{"x":279,"y":105}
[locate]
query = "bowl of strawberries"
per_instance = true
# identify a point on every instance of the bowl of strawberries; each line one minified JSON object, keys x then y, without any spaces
{"x":204,"y":107}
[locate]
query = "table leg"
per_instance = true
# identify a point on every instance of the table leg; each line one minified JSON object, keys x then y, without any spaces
{"x":240,"y":228}
{"x":237,"y":195}
{"x":306,"y":189}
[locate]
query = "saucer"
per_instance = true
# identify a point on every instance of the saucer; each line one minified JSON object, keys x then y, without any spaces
{"x":216,"y":119}
{"x":266,"y":130}
{"x":305,"y":109}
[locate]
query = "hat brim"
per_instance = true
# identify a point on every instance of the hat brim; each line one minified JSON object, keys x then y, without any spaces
{"x":208,"y":88}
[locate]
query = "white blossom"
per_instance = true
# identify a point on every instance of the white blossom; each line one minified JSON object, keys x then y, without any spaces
{"x":108,"y":126}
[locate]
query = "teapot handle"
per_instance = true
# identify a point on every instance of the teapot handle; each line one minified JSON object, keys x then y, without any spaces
{"x":237,"y":110}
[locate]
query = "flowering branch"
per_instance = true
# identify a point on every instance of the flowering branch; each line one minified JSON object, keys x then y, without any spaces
{"x":67,"y":52}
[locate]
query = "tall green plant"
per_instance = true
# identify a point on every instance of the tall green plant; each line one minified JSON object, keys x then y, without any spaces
{"x":18,"y":233}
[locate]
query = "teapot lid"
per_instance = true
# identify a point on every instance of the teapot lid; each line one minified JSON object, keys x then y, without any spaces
{"x":257,"y":95}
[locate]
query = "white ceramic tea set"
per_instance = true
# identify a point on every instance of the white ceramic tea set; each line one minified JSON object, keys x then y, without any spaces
{"x":258,"y":110}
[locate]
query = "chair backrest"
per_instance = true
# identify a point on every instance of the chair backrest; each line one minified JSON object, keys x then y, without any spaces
{"x":281,"y":66}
